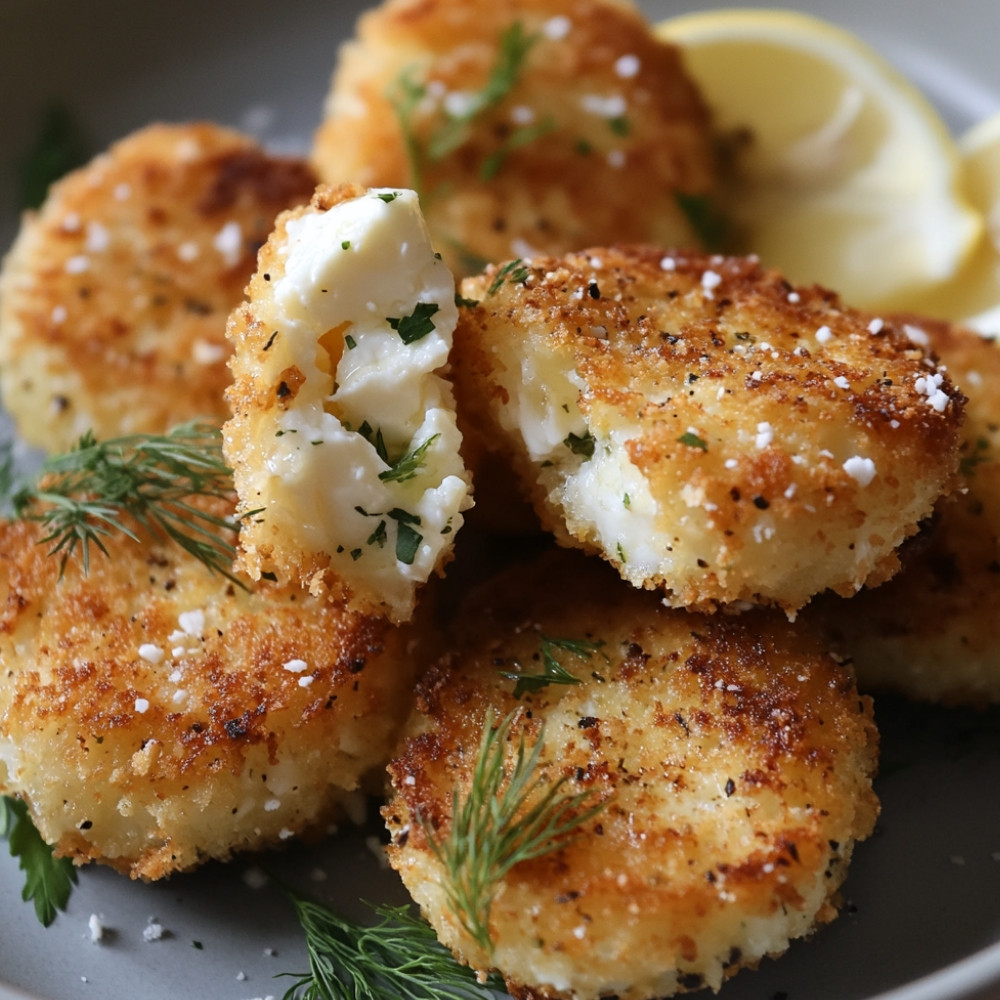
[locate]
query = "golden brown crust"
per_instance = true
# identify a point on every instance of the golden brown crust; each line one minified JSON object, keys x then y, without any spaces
{"x":115,"y":293}
{"x":735,"y":759}
{"x":933,"y":631}
{"x":619,"y":128}
{"x":147,"y":714}
{"x":788,"y":443}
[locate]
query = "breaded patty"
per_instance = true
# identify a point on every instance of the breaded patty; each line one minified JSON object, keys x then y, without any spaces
{"x":733,"y":756}
{"x":114,"y":296}
{"x":344,"y":441}
{"x":528,"y":126}
{"x":154,"y":716}
{"x":933,"y":632}
{"x":703,"y":425}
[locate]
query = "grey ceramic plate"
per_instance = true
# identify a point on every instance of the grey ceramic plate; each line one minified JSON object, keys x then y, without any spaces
{"x":922,"y":913}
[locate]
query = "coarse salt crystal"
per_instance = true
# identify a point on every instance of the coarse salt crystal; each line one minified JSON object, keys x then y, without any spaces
{"x":271,"y":805}
{"x":151,"y":653}
{"x":206,"y":353}
{"x":142,"y":705}
{"x":556,"y":28}
{"x":98,"y":238}
{"x":916,"y":335}
{"x":841,"y":382}
{"x":627,"y":66}
{"x":610,"y":106}
{"x":296,"y":666}
{"x":304,"y":682}
{"x":765,"y":434}
{"x":711,"y":280}
{"x":192,"y":622}
{"x":668,"y":264}
{"x":794,"y":297}
{"x":229,"y":242}
{"x":876,"y":326}
{"x":77,"y":264}
{"x":824,"y":334}
{"x":153,"y":931}
{"x":862,"y":470}
{"x":96,"y":928}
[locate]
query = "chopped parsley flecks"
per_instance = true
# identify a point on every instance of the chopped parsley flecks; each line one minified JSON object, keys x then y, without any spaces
{"x":417,"y":325}
{"x":582,"y":445}
{"x":691,"y":440}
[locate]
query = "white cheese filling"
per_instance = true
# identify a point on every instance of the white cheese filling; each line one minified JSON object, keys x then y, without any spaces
{"x":365,"y":463}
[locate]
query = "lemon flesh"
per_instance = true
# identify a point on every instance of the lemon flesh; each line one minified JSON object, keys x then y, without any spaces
{"x":842,"y":173}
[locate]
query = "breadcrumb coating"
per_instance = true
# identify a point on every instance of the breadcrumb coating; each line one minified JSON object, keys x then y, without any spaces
{"x":154,"y":716}
{"x":528,"y":126}
{"x":933,"y":632}
{"x":733,"y":756}
{"x":114,"y":296}
{"x":707,"y":428}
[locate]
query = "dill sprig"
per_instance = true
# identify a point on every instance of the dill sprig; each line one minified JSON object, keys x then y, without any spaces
{"x":93,"y":492}
{"x":508,"y":816}
{"x":397,"y":958}
{"x":553,"y":672}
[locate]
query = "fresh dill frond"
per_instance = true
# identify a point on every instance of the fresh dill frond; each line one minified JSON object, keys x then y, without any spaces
{"x":509,"y":815}
{"x":553,"y":672}
{"x":48,"y":880}
{"x":398,"y":957}
{"x":95,"y":490}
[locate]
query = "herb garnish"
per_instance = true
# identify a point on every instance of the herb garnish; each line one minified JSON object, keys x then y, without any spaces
{"x":514,"y":271}
{"x":398,"y":957}
{"x":417,"y":325}
{"x":48,"y":880}
{"x":581,"y":444}
{"x":409,"y":465}
{"x":59,"y":148}
{"x":709,"y":224}
{"x":691,"y":440}
{"x":87,"y":494}
{"x":509,"y":815}
{"x":407,"y":93}
{"x":553,"y":672}
{"x":979,"y":454}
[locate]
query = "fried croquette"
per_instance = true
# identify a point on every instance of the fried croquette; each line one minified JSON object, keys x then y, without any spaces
{"x":344,"y":442}
{"x":932,"y":633}
{"x":528,"y":126}
{"x":154,"y":716}
{"x":114,"y":296}
{"x":732,"y":755}
{"x":703,"y":425}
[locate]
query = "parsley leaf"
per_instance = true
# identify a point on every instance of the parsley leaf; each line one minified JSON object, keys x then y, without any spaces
{"x":581,"y":444}
{"x":417,"y":325}
{"x":691,"y":440}
{"x":408,"y":539}
{"x":48,"y":880}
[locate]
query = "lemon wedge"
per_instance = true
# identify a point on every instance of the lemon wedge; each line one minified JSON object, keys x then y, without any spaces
{"x":973,"y":295}
{"x":842,"y":172}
